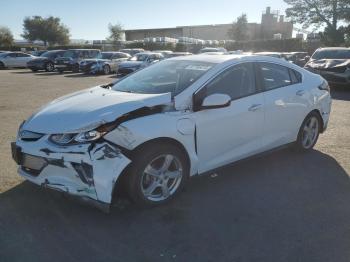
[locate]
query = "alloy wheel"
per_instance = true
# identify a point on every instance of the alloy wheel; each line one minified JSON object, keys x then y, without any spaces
{"x":161,"y":178}
{"x":310,"y":132}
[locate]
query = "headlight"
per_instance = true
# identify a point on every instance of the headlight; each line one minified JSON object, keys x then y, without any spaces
{"x":88,"y":136}
{"x":83,"y":137}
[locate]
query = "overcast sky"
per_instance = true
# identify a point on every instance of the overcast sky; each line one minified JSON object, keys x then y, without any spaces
{"x":89,"y":19}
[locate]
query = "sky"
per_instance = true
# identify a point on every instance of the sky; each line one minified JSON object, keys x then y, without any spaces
{"x":89,"y":19}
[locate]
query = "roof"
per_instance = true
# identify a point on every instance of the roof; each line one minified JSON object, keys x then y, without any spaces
{"x":217,"y":59}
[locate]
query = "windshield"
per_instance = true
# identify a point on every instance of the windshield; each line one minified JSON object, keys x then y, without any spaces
{"x":70,"y":53}
{"x":139,"y":57}
{"x":331,"y":54}
{"x":166,"y":76}
{"x":106,"y":55}
{"x":50,"y":54}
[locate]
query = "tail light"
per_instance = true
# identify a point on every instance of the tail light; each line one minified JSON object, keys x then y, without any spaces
{"x":324,"y":86}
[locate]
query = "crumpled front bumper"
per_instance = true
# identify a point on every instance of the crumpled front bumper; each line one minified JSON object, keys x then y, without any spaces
{"x":89,"y":171}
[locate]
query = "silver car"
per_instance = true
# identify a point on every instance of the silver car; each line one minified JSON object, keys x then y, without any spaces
{"x":15,"y":59}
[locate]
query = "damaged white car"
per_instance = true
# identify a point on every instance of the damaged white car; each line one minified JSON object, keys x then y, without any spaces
{"x":177,"y":118}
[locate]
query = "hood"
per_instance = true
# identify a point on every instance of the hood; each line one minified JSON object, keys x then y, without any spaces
{"x":130,"y":64}
{"x":88,"y":109}
{"x":39,"y":59}
{"x":328,"y":63}
{"x":95,"y":60}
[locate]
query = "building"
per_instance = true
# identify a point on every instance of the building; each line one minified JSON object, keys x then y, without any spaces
{"x":271,"y":24}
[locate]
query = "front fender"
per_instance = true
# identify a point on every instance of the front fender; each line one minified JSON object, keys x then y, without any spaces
{"x":172,"y":125}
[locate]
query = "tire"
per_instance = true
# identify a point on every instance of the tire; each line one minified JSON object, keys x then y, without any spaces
{"x":75,"y":68}
{"x":106,"y":70}
{"x":49,"y":67}
{"x":154,"y":187}
{"x":2,"y":66}
{"x":308,"y":132}
{"x":34,"y":70}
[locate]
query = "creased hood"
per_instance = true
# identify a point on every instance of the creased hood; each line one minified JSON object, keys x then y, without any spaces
{"x":328,"y":63}
{"x":88,"y":109}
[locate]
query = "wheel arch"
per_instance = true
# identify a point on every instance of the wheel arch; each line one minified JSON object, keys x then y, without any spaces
{"x":119,"y":186}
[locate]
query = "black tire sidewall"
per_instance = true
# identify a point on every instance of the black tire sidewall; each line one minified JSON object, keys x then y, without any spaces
{"x":141,"y":159}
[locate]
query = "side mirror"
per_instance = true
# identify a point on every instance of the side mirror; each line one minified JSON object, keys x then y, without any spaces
{"x":216,"y":101}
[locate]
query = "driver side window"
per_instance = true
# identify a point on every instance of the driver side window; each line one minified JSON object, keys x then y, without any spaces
{"x":237,"y":81}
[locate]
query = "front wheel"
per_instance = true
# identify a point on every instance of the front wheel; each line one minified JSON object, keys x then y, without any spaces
{"x":309,"y":132}
{"x":2,"y":66}
{"x":106,"y":70}
{"x":49,"y":67}
{"x":157,"y":174}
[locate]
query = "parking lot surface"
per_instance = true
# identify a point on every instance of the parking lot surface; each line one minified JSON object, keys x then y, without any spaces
{"x":282,"y":206}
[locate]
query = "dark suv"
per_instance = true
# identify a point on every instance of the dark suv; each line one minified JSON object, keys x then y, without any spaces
{"x":72,"y":57}
{"x":45,"y":61}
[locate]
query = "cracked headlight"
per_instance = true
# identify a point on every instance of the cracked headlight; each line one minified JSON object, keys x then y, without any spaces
{"x":83,"y":137}
{"x":88,"y":136}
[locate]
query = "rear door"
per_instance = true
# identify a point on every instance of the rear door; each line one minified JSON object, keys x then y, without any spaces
{"x":10,"y":60}
{"x":285,"y":102}
{"x":22,"y":59}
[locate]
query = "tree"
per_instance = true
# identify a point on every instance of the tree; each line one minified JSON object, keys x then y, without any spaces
{"x":6,"y":37}
{"x":115,"y":33}
{"x":239,"y":29}
{"x":328,"y":13}
{"x":50,"y":30}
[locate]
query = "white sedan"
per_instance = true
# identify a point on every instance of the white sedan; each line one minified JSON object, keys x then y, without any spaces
{"x":152,"y":130}
{"x":15,"y":59}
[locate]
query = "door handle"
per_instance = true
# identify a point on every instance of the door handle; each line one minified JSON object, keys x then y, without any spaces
{"x":255,"y":107}
{"x":300,"y":92}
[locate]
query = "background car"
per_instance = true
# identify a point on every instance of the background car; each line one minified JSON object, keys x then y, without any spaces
{"x":176,"y":54}
{"x":46,"y":61}
{"x":271,"y":54}
{"x":72,"y":57}
{"x":139,"y":61}
{"x":132,"y":51}
{"x":298,"y":58}
{"x":38,"y":52}
{"x":332,"y":63}
{"x":165,"y":53}
{"x":106,"y":64}
{"x":15,"y":59}
{"x":212,"y":49}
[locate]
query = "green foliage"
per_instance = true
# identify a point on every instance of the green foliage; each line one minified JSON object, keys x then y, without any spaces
{"x":115,"y":33}
{"x":239,"y":29}
{"x":285,"y":45}
{"x":6,"y":37}
{"x":50,"y":30}
{"x":328,"y":13}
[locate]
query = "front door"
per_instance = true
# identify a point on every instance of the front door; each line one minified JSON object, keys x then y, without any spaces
{"x":231,"y":133}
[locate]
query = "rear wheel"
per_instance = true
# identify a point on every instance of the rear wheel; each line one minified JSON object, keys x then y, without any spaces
{"x":49,"y":67}
{"x":157,"y":174}
{"x":106,"y":70}
{"x":2,"y":66}
{"x":309,"y":132}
